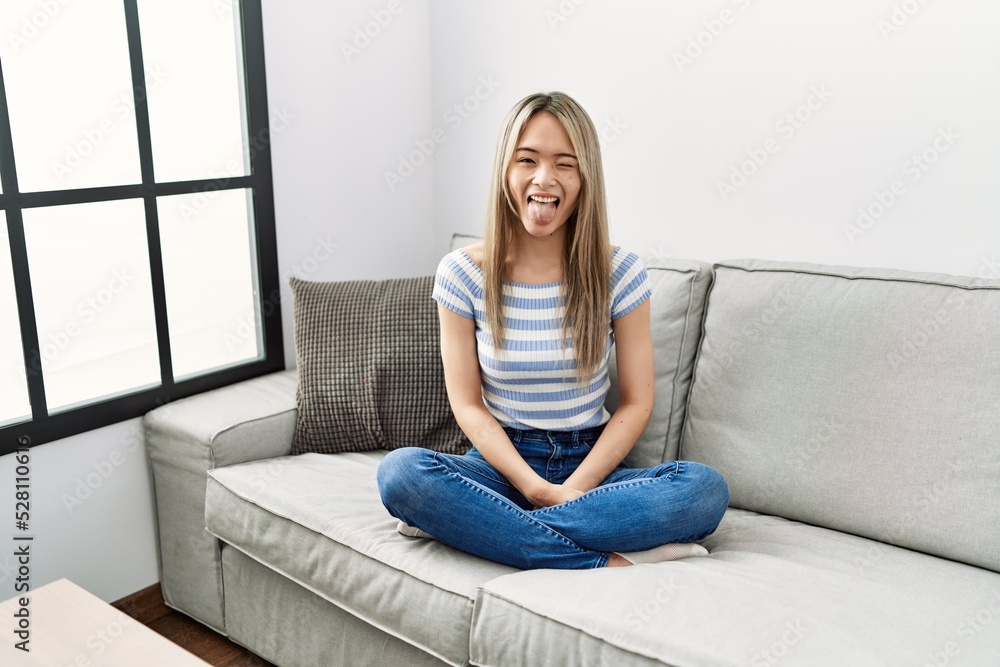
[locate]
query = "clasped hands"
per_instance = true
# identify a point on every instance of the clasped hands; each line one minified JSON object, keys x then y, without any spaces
{"x":553,"y":494}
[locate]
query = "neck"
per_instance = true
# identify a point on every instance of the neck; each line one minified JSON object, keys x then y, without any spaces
{"x":539,"y":252}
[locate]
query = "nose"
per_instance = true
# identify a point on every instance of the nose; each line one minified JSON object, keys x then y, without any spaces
{"x":544,"y":175}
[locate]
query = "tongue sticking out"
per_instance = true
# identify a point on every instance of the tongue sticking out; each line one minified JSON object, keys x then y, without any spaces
{"x":541,"y":214}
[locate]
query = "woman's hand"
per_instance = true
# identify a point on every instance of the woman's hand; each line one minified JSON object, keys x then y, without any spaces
{"x":634,"y":350}
{"x":554,"y":494}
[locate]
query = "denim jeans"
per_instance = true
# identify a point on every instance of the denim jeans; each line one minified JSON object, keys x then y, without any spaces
{"x":465,"y":503}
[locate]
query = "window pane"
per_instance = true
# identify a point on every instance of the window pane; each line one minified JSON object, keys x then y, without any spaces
{"x":89,"y":266}
{"x":209,"y":267}
{"x":197,"y":122}
{"x":69,"y":90}
{"x":14,"y":404}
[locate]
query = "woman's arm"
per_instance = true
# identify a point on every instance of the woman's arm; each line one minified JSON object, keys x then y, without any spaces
{"x":464,"y":383}
{"x":634,"y":354}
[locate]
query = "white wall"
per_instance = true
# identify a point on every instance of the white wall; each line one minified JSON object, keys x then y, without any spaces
{"x":676,"y":130}
{"x":91,"y":513}
{"x":354,"y":113}
{"x":337,"y":125}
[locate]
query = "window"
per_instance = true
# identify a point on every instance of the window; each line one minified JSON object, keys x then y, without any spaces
{"x":137,"y":249}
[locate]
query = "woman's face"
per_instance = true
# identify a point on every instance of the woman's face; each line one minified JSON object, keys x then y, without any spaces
{"x":544,"y":175}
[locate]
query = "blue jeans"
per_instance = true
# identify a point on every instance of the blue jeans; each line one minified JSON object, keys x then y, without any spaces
{"x":465,"y":503}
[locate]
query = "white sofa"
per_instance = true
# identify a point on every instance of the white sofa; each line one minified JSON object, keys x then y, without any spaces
{"x":855,"y":414}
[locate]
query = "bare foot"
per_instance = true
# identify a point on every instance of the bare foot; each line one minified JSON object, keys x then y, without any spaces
{"x":614,"y":560}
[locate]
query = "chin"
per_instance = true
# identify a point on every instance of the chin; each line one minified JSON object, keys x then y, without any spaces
{"x":540,"y":232}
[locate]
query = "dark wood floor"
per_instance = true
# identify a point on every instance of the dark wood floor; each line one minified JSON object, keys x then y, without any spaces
{"x":147,"y":607}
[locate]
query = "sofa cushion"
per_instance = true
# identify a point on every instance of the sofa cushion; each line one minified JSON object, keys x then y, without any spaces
{"x":249,"y":420}
{"x":368,"y":354}
{"x":317,"y":520}
{"x":676,"y":308}
{"x":298,"y":627}
{"x":864,"y":400}
{"x":679,"y":288}
{"x":772,"y":591}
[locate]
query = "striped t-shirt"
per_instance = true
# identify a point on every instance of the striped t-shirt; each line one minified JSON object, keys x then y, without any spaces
{"x":528,"y":385}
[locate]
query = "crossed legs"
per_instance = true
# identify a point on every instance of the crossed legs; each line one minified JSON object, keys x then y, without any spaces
{"x":465,"y":503}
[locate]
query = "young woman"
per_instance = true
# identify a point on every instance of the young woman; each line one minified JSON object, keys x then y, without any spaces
{"x":528,"y":318}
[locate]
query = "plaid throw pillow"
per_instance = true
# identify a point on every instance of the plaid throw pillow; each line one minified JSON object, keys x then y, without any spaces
{"x":370,"y":375}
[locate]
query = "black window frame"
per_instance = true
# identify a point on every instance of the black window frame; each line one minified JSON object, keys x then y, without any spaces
{"x":43,"y":427}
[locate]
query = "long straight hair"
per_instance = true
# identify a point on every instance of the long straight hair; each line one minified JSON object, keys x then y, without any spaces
{"x":587,"y":252}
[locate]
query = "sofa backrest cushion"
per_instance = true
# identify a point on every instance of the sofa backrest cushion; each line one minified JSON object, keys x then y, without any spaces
{"x":864,"y":400}
{"x":676,"y":308}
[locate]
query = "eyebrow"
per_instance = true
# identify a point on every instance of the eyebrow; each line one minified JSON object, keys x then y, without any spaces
{"x":532,"y":150}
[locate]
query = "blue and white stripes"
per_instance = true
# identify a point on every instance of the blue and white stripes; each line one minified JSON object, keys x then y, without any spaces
{"x":530,"y":383}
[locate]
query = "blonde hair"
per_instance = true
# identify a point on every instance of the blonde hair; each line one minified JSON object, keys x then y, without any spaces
{"x":587,"y":252}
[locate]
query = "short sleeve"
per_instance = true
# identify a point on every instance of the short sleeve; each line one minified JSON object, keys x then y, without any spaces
{"x":630,"y":285}
{"x":453,"y":287}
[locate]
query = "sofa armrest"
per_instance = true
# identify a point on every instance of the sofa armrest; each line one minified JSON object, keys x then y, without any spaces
{"x":247,"y":421}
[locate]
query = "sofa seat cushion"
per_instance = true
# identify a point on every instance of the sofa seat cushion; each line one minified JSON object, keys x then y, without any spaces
{"x":771,"y":591}
{"x":318,"y":520}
